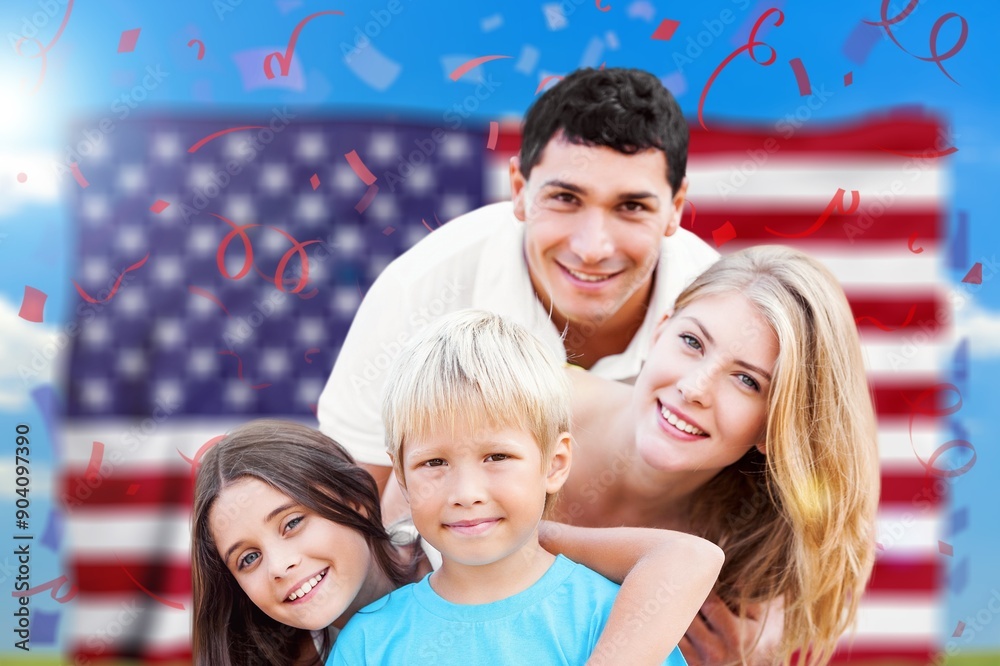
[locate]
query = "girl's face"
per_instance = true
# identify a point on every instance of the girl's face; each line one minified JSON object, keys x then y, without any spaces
{"x":297,"y":567}
{"x":701,"y":399}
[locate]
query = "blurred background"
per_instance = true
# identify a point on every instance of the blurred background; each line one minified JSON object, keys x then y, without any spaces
{"x":142,"y":248}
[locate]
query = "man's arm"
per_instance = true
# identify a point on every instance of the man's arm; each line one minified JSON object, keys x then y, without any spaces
{"x":665,"y":577}
{"x":717,"y":635}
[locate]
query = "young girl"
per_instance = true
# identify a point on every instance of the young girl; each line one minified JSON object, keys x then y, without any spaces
{"x":288,"y":544}
{"x":750,"y":425}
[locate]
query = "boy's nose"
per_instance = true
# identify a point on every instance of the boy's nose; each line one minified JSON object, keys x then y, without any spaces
{"x":467,"y":488}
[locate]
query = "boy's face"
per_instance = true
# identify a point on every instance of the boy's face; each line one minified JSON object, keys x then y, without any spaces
{"x":477,"y":494}
{"x":594,"y":219}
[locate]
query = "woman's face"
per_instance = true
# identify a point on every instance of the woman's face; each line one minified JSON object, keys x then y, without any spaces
{"x":700,"y":402}
{"x":299,"y":568}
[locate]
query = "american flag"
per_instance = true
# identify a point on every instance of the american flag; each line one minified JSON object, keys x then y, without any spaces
{"x":183,"y":351}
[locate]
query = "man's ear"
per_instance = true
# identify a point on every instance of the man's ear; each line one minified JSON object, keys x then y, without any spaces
{"x":677,"y":204}
{"x":559,"y":463}
{"x":518,"y":187}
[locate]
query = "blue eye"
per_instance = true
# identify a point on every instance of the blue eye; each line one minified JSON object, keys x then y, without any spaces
{"x":690,"y":341}
{"x":247,"y":560}
{"x":293,"y":523}
{"x":749,"y":382}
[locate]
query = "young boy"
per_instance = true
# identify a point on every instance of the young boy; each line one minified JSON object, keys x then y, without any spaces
{"x":477,"y":416}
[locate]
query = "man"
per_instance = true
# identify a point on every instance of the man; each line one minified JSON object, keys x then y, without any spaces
{"x":588,"y":254}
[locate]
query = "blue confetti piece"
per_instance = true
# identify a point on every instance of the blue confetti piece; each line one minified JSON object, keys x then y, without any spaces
{"x":377,"y":70}
{"x":592,"y":54}
{"x":53,"y":534}
{"x":611,"y":39}
{"x":250,"y":64}
{"x":960,"y":361}
{"x":958,"y":431}
{"x":285,"y":6}
{"x":528,"y":59}
{"x":958,"y":521}
{"x":675,"y":83}
{"x":44,"y":627}
{"x":453,"y":62}
{"x":742,"y":35}
{"x":959,"y":576}
{"x":860,"y":42}
{"x":555,"y":18}
{"x":45,"y":399}
{"x":958,"y":252}
{"x":491,"y":23}
{"x":641,"y":9}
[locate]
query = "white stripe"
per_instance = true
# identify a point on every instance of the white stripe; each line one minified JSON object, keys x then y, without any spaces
{"x":127,"y":532}
{"x":908,"y":530}
{"x":811,"y":180}
{"x":914,"y":355}
{"x":896,"y":451}
{"x":896,"y":619}
{"x":119,"y":620}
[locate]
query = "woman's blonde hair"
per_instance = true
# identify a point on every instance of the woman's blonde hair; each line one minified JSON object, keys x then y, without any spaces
{"x":797,"y":522}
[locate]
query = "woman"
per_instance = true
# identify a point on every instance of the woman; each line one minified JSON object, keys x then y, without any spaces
{"x":750,"y":425}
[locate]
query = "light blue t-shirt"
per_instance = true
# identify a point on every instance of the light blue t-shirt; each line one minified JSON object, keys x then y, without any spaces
{"x":555,"y":621}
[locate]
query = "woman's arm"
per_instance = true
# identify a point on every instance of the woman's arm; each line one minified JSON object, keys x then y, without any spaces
{"x":717,"y":635}
{"x":665,"y":578}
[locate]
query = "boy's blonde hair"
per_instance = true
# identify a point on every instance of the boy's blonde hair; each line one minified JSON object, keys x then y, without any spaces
{"x":475,"y":368}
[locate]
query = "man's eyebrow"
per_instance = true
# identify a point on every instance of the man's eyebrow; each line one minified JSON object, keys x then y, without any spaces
{"x":267,"y":519}
{"x":563,"y":185}
{"x":711,"y":340}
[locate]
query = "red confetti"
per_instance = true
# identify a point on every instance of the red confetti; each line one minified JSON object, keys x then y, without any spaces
{"x":694,"y":211}
{"x":165,"y":602}
{"x":220,"y":254}
{"x":801,"y":77}
{"x":597,"y":3}
{"x":114,"y":288}
{"x":93,"y":471}
{"x":959,"y":628}
{"x":198,"y":291}
{"x":310,"y":352}
{"x":366,"y":200}
{"x":43,"y":50}
{"x":285,"y":59}
{"x":945,"y":549}
{"x":132,"y":489}
{"x":201,"y":47}
{"x":239,"y":370}
{"x":78,"y":176}
{"x":299,"y":248}
{"x":935,"y":57}
{"x":426,"y":225}
{"x":724,"y":234}
{"x":387,"y":231}
{"x":546,"y":80}
{"x":975,"y":274}
{"x":159,"y":206}
{"x":126,"y":43}
{"x":32,"y":305}
{"x":359,"y":167}
{"x":879,"y":546}
{"x":491,"y":143}
{"x":201,"y":451}
{"x":909,"y":244}
{"x":314,"y":181}
{"x":22,"y":177}
{"x":666,"y":29}
{"x":216,"y":135}
{"x":883,"y":327}
{"x":836,"y":205}
{"x":748,"y":47}
{"x":848,"y":79}
{"x":926,"y":154}
{"x":54,"y":585}
{"x":465,"y":67}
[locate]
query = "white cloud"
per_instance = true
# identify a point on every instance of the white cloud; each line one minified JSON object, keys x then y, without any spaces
{"x":26,"y":356}
{"x":981,"y":327}
{"x":41,"y":185}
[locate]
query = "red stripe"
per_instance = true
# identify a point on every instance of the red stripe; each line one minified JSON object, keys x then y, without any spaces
{"x":751,"y":225}
{"x":148,"y":489}
{"x":895,"y":400}
{"x":900,"y":131}
{"x":893,"y":310}
{"x":916,"y":491}
{"x":894,"y":575}
{"x":896,"y":655}
{"x":106,"y":652}
{"x":105,"y":576}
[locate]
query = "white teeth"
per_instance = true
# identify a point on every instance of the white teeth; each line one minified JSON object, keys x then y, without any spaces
{"x":680,"y":424}
{"x":588,"y":278}
{"x":306,"y":586}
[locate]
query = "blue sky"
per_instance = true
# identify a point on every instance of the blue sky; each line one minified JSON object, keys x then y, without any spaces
{"x":412,"y":47}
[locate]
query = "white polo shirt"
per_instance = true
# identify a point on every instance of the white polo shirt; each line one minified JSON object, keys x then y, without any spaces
{"x":474,"y":261}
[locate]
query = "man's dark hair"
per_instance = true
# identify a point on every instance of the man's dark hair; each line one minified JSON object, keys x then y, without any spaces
{"x":628,"y":110}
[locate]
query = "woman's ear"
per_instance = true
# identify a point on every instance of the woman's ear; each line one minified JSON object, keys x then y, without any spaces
{"x":762,"y":446}
{"x":560,"y":461}
{"x":658,"y":330}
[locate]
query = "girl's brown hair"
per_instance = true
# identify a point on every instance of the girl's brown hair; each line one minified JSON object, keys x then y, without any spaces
{"x":316,"y":472}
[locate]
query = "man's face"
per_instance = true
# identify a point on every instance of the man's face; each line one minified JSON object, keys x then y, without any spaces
{"x":594,"y":218}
